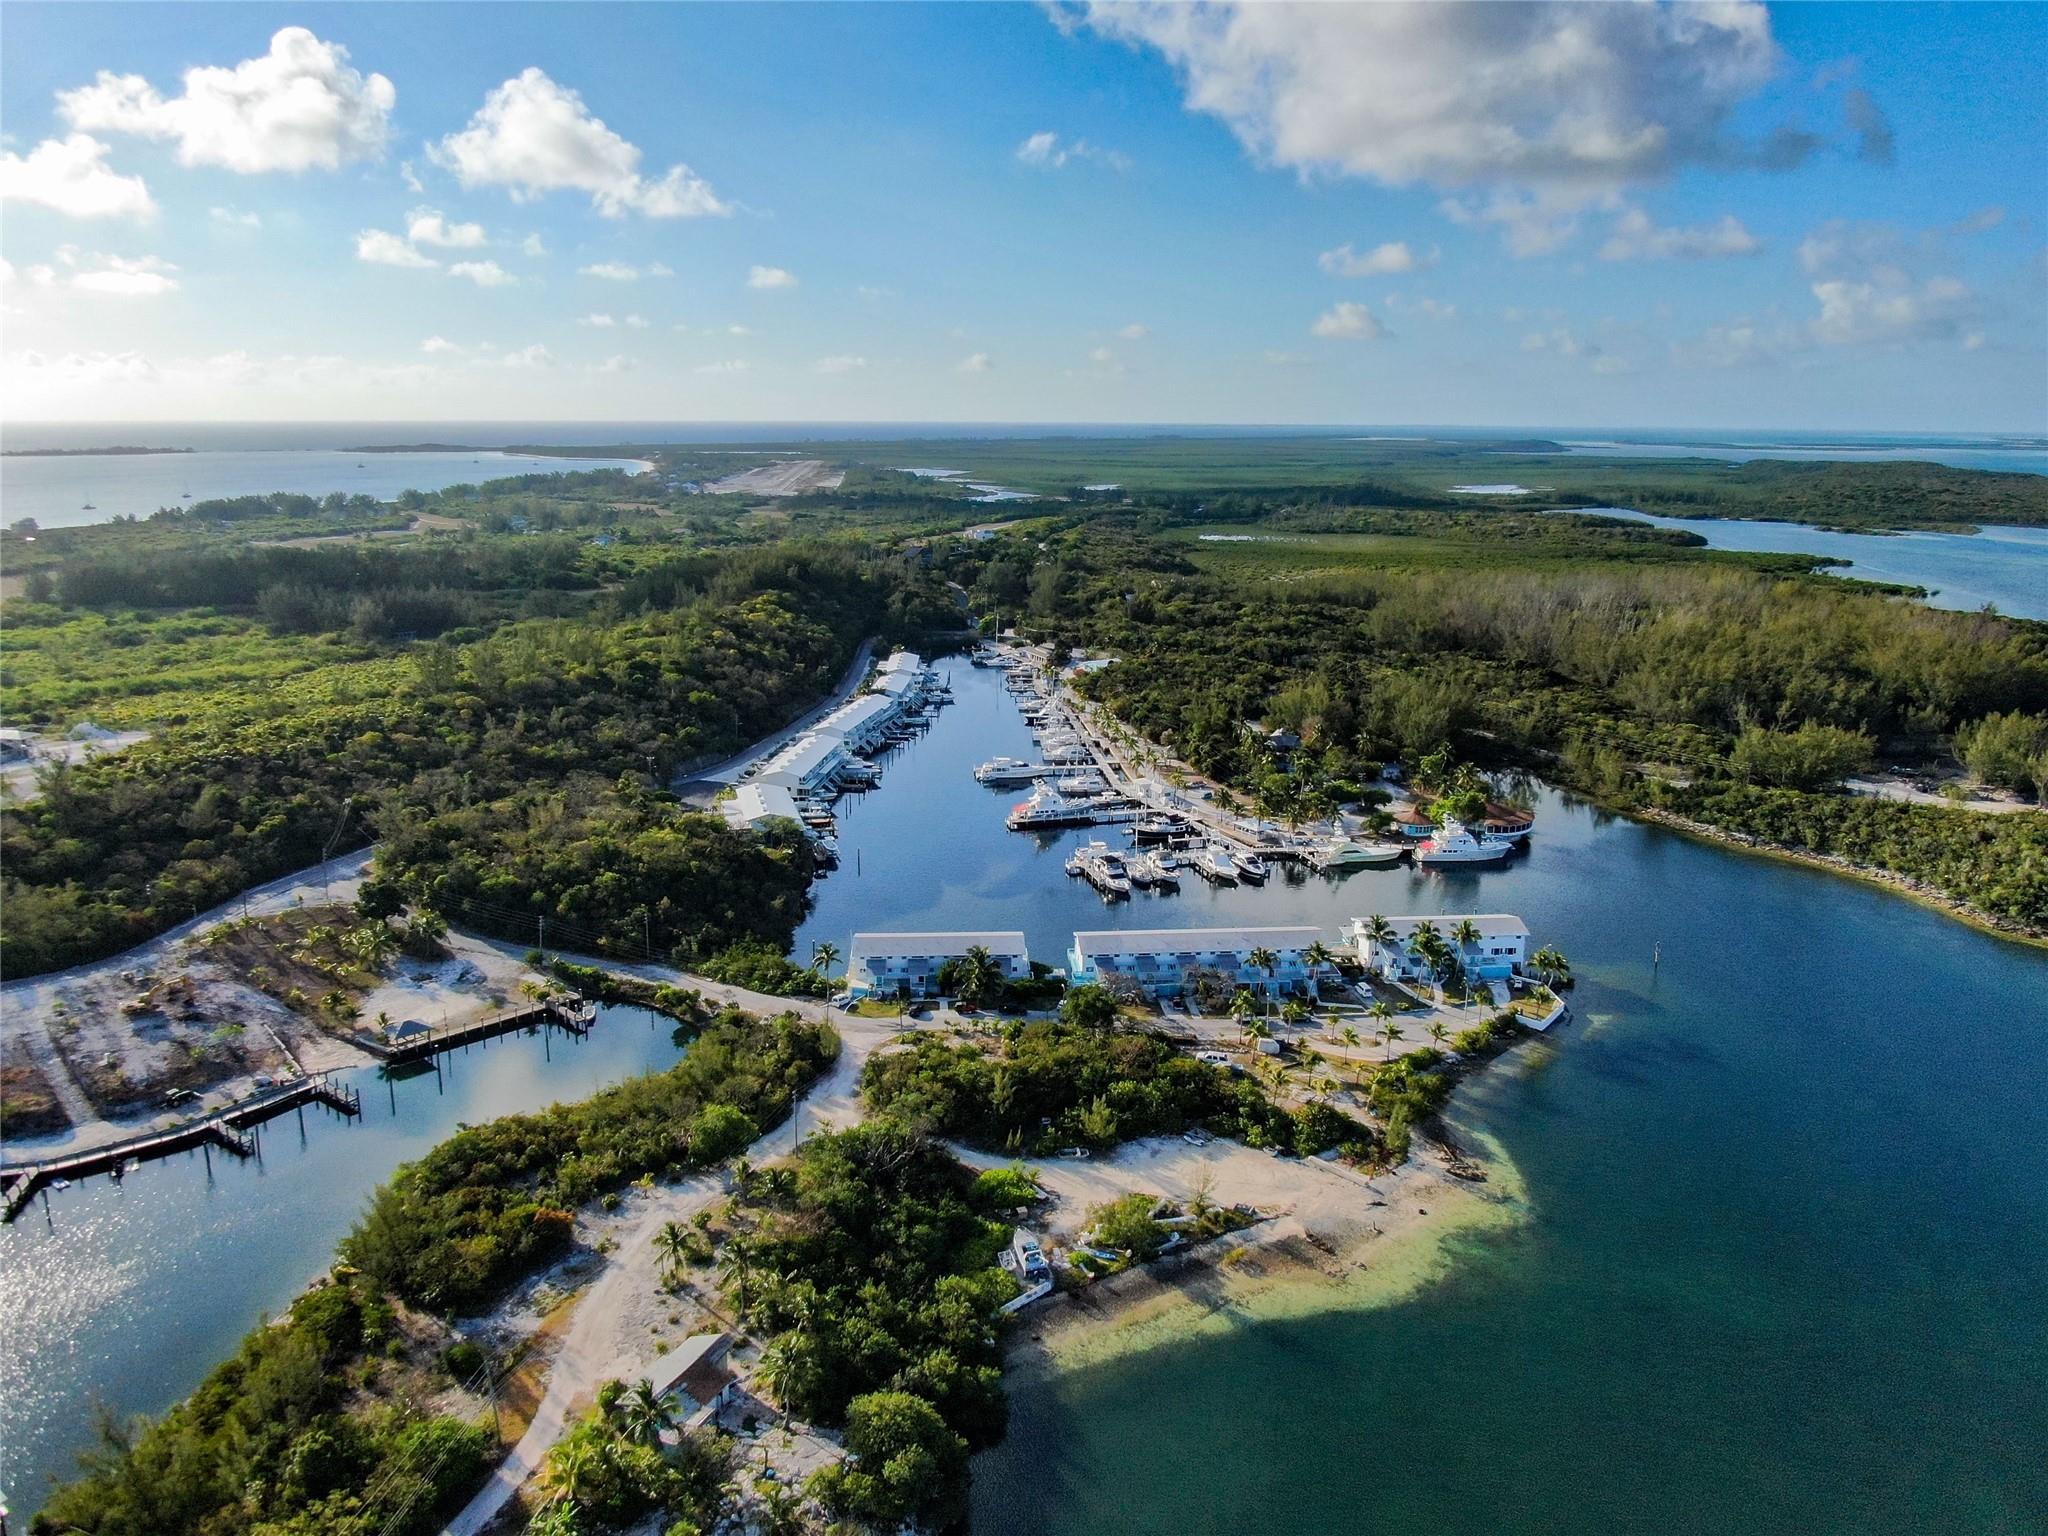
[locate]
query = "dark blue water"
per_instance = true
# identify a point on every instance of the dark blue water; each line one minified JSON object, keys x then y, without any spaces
{"x":129,"y":1293}
{"x":1788,"y":1212}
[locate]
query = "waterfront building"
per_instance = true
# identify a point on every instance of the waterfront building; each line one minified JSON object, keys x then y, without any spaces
{"x":862,"y":723}
{"x":1502,"y":946}
{"x":753,"y":804}
{"x":810,"y":765}
{"x":892,"y":964}
{"x":1167,"y":960}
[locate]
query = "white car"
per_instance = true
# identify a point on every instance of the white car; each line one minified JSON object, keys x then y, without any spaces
{"x":1214,"y":1058}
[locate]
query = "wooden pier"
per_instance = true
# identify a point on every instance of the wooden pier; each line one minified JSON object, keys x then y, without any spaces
{"x":575,"y":1018}
{"x":224,"y":1128}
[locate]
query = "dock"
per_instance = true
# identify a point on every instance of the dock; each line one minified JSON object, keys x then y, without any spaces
{"x":225,"y":1128}
{"x":575,"y":1018}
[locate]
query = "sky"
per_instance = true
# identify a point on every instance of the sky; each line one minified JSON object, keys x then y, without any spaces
{"x":1623,"y":215}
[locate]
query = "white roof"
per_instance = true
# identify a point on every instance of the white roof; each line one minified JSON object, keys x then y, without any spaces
{"x":1168,"y":941}
{"x":685,"y":1357}
{"x":895,"y":684}
{"x":855,"y":713}
{"x":1006,"y":945}
{"x":902,"y":661}
{"x":804,"y":754}
{"x":1491,"y":925}
{"x":757,"y":802}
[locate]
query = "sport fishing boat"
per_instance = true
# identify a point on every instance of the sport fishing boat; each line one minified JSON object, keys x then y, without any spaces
{"x":1343,"y":853}
{"x":1251,"y":869}
{"x":1455,"y":844}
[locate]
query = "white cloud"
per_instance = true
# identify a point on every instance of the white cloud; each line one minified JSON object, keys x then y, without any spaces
{"x":635,"y":322}
{"x":299,"y":107}
{"x":739,"y":330}
{"x":438,"y":344}
{"x":533,"y":245}
{"x":1978,"y":222}
{"x":235,"y":219}
{"x":535,"y":356}
{"x":410,"y":177}
{"x":1047,"y":150}
{"x":1561,"y":341}
{"x":1637,"y":237}
{"x":617,"y":363}
{"x":660,"y":269}
{"x":974,"y":362}
{"x":1974,"y":342}
{"x":1889,"y":307}
{"x":844,"y":363}
{"x":1276,"y":358}
{"x":603,"y":322}
{"x":731,"y":365}
{"x":770,"y":277}
{"x":426,"y":226}
{"x":1607,"y":362}
{"x":610,"y":271}
{"x":1102,"y":357}
{"x":485,"y":274}
{"x":1394,"y":256}
{"x":71,"y":175}
{"x":1533,"y":223}
{"x":142,"y":277}
{"x":1135,"y":332}
{"x":1434,"y":309}
{"x":1454,"y":95}
{"x":1348,"y":321}
{"x":533,"y":136}
{"x":1875,"y":284}
{"x":382,"y":248}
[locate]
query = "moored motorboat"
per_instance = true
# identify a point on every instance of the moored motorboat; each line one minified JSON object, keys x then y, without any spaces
{"x":1455,"y":844}
{"x":1251,"y":869}
{"x":1215,"y":865}
{"x":1343,"y":853}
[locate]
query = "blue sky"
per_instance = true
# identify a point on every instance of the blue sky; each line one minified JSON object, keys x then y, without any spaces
{"x":1816,"y":216}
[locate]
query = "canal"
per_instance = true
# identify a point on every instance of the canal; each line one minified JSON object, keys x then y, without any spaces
{"x":124,"y":1295}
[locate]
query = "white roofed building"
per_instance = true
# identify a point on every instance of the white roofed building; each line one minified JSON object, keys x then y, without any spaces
{"x":895,"y":964}
{"x":861,"y":723}
{"x":1166,"y":960}
{"x":809,"y":765}
{"x":753,"y":804}
{"x":1502,"y":945}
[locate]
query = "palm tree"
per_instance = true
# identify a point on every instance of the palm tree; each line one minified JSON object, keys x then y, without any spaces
{"x":643,"y":1416}
{"x":1439,"y":1031}
{"x":1242,"y":1007}
{"x":1351,"y":1038}
{"x":978,"y":973}
{"x":1379,"y":931}
{"x":736,"y":1267}
{"x":1319,"y":957}
{"x":1390,"y":1032}
{"x":1467,"y":935}
{"x":1381,"y":1011}
{"x":672,"y":1242}
{"x":1552,"y":966}
{"x":569,"y":1465}
{"x":1294,"y":1010}
{"x":783,"y":1363}
{"x":1258,"y":1029}
{"x":1263,"y":959}
{"x":824,"y":955}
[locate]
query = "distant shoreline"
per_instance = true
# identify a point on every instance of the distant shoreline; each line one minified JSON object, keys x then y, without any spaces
{"x":84,"y":453}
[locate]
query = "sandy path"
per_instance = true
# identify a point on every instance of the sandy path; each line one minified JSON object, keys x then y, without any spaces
{"x":609,"y":1331}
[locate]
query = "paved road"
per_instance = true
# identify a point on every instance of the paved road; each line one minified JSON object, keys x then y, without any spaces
{"x":728,"y":771}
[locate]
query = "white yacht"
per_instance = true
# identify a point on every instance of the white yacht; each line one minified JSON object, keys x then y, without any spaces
{"x":1251,"y":869}
{"x":1455,"y":844}
{"x":1214,"y":864}
{"x":1006,"y":771}
{"x":1343,"y":853}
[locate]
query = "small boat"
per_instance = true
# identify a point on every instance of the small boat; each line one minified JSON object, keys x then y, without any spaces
{"x":1089,"y":783}
{"x":88,"y":507}
{"x":186,"y":497}
{"x":1455,"y":844}
{"x":60,"y":1183}
{"x":1251,"y":868}
{"x":1215,"y":865}
{"x":1005,"y":771}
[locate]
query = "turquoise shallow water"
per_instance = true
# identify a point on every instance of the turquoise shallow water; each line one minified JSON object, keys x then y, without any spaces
{"x":1787,"y":1227}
